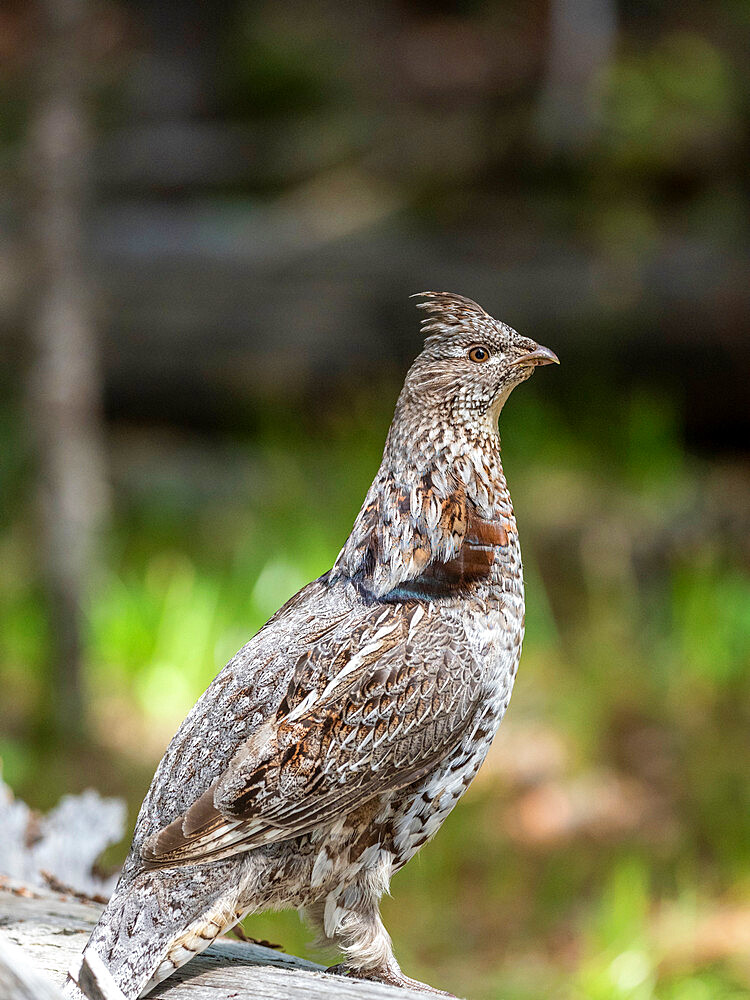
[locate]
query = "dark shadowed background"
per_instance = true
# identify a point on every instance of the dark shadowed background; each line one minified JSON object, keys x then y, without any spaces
{"x":211,"y":218}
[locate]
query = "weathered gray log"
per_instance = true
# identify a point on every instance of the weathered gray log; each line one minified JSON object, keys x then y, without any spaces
{"x":62,"y":845}
{"x":51,"y":929}
{"x":20,"y":980}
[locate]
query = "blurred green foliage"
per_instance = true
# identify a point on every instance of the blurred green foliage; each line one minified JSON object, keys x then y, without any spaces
{"x":636,"y":661}
{"x":658,"y":116}
{"x":604,"y":851}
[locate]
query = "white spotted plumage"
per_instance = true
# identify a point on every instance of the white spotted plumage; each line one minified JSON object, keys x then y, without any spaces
{"x":335,"y":743}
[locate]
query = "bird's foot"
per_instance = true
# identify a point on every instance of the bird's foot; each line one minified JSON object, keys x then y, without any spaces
{"x":390,"y":976}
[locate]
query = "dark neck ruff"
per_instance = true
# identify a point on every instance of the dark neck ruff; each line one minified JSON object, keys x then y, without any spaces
{"x":473,"y":565}
{"x":440,"y":527}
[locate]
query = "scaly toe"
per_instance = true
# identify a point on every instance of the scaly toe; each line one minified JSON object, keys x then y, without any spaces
{"x":388,"y":976}
{"x":338,"y":970}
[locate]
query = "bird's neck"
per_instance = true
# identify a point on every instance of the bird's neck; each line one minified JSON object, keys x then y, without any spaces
{"x":435,"y":516}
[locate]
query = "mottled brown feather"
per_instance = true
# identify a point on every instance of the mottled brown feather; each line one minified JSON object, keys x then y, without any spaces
{"x":473,"y":562}
{"x":321,"y":768}
{"x":286,"y":778}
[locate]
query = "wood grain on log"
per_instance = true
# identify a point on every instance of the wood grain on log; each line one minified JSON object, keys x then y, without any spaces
{"x":51,"y":929}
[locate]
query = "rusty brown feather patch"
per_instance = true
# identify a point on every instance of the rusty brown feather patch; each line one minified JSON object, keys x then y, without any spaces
{"x":474,"y":561}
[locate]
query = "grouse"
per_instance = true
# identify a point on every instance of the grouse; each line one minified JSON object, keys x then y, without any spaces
{"x":335,"y":743}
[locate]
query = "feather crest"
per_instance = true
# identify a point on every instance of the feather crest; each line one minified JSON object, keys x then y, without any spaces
{"x":449,"y":313}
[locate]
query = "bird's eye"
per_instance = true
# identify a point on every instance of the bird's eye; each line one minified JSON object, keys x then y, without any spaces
{"x":479,"y":354}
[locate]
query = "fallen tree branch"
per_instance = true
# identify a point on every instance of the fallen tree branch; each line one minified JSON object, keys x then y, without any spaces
{"x":51,"y":930}
{"x":19,"y":980}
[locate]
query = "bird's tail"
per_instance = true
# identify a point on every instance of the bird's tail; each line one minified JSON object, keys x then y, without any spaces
{"x":90,"y":977}
{"x":155,"y":922}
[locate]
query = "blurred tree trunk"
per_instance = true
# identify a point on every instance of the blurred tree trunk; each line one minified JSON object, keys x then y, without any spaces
{"x":65,"y":384}
{"x":582,"y":35}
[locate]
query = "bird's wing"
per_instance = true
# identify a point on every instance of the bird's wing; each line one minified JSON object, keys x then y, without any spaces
{"x":378,"y":715}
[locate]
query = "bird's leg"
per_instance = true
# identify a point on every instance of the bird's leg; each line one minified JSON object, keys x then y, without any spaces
{"x":358,"y":930}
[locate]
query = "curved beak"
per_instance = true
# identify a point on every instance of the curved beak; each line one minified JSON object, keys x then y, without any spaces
{"x":539,"y":356}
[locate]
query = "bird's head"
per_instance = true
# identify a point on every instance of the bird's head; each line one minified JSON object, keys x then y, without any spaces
{"x":422,"y":529}
{"x":470,"y":362}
